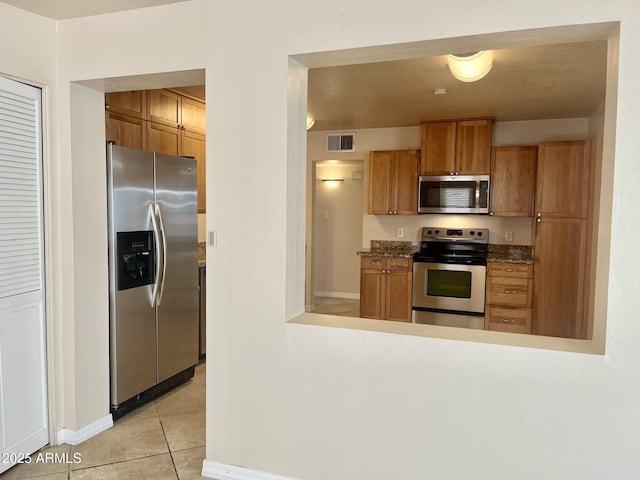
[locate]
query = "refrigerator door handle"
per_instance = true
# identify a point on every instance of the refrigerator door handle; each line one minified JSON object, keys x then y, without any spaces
{"x":159,"y":258}
{"x":164,"y":251}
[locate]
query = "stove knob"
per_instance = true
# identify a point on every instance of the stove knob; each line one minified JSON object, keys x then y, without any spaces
{"x":479,"y":234}
{"x":429,"y":232}
{"x":472,"y":233}
{"x":437,"y":232}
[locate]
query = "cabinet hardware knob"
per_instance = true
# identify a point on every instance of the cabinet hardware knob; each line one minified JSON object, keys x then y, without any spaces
{"x":107,"y":106}
{"x":390,"y":213}
{"x":450,"y":173}
{"x":539,"y":214}
{"x":539,"y":220}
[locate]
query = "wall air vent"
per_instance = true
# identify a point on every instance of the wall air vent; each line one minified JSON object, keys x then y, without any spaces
{"x":341,"y":142}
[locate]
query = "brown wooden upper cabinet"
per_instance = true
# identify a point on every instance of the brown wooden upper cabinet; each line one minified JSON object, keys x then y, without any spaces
{"x":174,"y":110}
{"x":460,"y":147}
{"x":163,"y":121}
{"x":132,"y":104}
{"x":393,"y":182}
{"x":513,"y":173}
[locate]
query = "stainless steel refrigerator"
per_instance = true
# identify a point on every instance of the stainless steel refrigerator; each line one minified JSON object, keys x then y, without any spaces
{"x":153,"y":273}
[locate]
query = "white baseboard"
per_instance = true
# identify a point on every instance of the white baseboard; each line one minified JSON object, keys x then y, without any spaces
{"x":348,"y":296}
{"x":222,"y":471}
{"x":76,"y":437}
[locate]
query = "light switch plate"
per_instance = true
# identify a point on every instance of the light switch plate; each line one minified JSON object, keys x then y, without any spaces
{"x":213,"y":238}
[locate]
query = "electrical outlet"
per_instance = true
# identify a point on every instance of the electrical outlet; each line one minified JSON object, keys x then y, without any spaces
{"x":401,"y":232}
{"x":325,"y":215}
{"x":508,"y":236}
{"x":372,"y":225}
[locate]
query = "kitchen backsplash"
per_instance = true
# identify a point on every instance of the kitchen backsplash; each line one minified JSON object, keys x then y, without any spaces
{"x":385,"y":227}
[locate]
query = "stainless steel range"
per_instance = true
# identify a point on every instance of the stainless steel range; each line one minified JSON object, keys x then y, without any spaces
{"x":449,"y":275}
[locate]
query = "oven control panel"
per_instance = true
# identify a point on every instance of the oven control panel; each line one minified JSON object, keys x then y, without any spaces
{"x":442,"y":234}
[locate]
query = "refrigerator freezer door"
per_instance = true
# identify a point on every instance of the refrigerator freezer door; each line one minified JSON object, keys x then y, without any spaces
{"x":132,"y":318}
{"x":177,"y":313}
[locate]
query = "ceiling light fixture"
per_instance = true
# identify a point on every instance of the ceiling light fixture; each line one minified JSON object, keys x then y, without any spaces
{"x":470,"y":67}
{"x":310,"y":122}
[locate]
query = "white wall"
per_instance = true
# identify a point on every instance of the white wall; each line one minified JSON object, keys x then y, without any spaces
{"x":338,"y":233}
{"x":315,"y":402}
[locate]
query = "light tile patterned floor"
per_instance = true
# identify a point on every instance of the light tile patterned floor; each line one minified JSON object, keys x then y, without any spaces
{"x":164,"y":439}
{"x":337,"y":306}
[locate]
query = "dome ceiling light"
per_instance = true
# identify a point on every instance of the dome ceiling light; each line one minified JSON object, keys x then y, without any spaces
{"x":470,"y":67}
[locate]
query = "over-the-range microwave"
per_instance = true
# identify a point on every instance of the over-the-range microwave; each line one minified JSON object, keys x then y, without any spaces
{"x":454,"y":194}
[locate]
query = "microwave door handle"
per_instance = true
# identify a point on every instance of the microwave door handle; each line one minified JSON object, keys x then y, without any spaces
{"x":164,"y":252}
{"x":158,"y":257}
{"x":478,"y":186}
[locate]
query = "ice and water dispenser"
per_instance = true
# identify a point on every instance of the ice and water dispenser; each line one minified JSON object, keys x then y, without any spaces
{"x":135,"y":259}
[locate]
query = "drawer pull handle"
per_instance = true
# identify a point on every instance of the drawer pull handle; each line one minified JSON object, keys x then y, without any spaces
{"x":509,"y":291}
{"x":506,"y":320}
{"x":374,"y":262}
{"x":509,"y":270}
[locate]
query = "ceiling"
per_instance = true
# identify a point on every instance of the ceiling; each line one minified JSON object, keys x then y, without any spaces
{"x":66,"y":9}
{"x":561,"y":80}
{"x":538,"y":82}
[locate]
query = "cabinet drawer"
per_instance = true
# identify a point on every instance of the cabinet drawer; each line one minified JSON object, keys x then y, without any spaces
{"x":516,"y":292}
{"x":396,"y":263}
{"x":371,"y":262}
{"x":519,"y":270}
{"x":513,"y":320}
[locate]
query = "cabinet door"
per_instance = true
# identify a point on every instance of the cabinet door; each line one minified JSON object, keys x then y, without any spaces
{"x":194,"y":145}
{"x":133,"y":104}
{"x":473,"y":147}
{"x":405,"y":182}
{"x":438,"y":148}
{"x":163,"y":107}
{"x":562,"y":185}
{"x":380,"y":177}
{"x":559,"y":275}
{"x":398,"y":295}
{"x":194,"y":116}
{"x":513,"y":181}
{"x":163,"y":139}
{"x":126,"y":131}
{"x":372,"y":293}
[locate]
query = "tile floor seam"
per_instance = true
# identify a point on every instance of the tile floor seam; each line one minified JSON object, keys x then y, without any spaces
{"x":168,"y":446}
{"x":114,"y":463}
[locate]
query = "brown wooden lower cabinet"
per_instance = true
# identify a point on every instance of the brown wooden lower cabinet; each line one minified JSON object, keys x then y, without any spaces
{"x":385,"y":288}
{"x":509,"y":297}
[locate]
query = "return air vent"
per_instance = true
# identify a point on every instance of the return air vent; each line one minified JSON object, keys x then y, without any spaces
{"x":341,"y":142}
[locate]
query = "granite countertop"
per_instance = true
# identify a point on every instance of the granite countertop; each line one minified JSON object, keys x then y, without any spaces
{"x":202,"y":254}
{"x":510,"y":254}
{"x":389,"y":248}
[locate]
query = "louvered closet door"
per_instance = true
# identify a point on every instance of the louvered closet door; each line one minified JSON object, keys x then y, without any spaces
{"x":23,"y":406}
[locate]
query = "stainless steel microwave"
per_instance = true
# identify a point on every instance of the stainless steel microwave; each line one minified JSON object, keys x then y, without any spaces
{"x":454,"y":194}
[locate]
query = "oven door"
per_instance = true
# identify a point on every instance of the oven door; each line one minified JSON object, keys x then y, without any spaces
{"x":449,"y":287}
